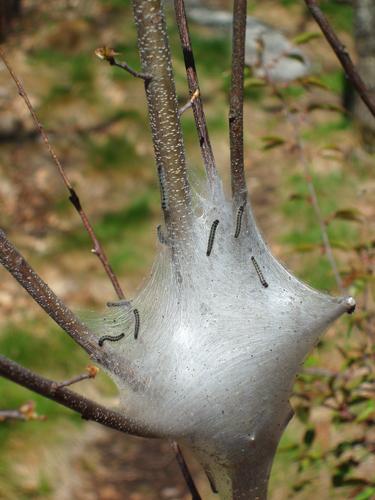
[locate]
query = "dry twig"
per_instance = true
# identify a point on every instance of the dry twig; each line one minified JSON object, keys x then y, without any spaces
{"x":73,"y":197}
{"x":89,"y":410}
{"x":192,"y":78}
{"x":342,"y":55}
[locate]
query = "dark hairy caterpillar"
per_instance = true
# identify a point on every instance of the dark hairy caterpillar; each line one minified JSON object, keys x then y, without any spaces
{"x":164,"y":197}
{"x":137,"y":323}
{"x":161,"y":236}
{"x":113,"y":338}
{"x":259,"y":272}
{"x":211,"y":237}
{"x":239,"y":220}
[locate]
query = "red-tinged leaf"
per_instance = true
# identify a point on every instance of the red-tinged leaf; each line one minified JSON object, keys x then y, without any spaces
{"x":306,"y":37}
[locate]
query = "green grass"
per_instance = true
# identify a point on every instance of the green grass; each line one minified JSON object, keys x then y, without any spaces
{"x":321,"y":131}
{"x":42,"y":348}
{"x":115,"y":152}
{"x":305,"y":231}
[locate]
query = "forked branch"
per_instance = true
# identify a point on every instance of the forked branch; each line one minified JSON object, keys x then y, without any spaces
{"x":239,"y":189}
{"x":88,"y":409}
{"x":342,"y":55}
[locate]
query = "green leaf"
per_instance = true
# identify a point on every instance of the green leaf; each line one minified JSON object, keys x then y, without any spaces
{"x":367,"y":412}
{"x":254,"y":82}
{"x":366,"y":494}
{"x":306,"y":37}
{"x":297,"y":57}
{"x":272,"y":141}
{"x":302,"y":413}
{"x":325,"y":106}
{"x":313,"y":81}
{"x":350,"y":214}
{"x":309,"y":437}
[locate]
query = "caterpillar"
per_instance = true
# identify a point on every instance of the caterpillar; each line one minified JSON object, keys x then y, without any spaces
{"x":119,"y":303}
{"x":239,"y":220}
{"x":163,"y":194}
{"x":137,"y":323}
{"x":259,"y":272}
{"x":211,"y":237}
{"x":113,"y":338}
{"x":161,"y":237}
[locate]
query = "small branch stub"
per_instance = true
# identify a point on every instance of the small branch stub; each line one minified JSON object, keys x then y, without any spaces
{"x":108,"y":54}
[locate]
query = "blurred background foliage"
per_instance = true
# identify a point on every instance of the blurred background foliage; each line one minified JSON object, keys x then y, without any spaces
{"x":97,"y":119}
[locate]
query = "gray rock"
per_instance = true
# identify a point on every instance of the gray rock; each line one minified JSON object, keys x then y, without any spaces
{"x":278,"y":58}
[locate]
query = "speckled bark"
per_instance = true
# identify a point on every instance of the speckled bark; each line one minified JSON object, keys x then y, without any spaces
{"x":163,"y":113}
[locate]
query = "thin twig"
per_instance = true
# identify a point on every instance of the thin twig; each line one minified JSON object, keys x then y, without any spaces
{"x":25,"y":412}
{"x":88,"y":409}
{"x":239,"y":189}
{"x":185,"y":471}
{"x":311,"y":188}
{"x":108,"y":54}
{"x":192,"y":78}
{"x":189,"y":104}
{"x":11,"y":415}
{"x":20,"y":269}
{"x":73,"y":197}
{"x":342,"y":55}
{"x":92,"y":371}
{"x":317,"y":209}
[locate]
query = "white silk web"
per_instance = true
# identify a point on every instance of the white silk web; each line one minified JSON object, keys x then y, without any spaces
{"x":219,"y":342}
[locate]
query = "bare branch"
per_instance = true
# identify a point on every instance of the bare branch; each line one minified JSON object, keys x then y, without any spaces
{"x":185,"y":471}
{"x":108,"y":54}
{"x":342,"y":55}
{"x":25,"y":412}
{"x":92,"y":371}
{"x":164,"y":118}
{"x":192,"y":78}
{"x":89,"y":410}
{"x":19,"y":268}
{"x":189,"y":104}
{"x":239,"y":189}
{"x":73,"y":197}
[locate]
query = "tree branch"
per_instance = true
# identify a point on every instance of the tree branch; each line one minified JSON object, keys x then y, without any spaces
{"x":342,"y":55}
{"x":73,"y":197}
{"x":20,"y":269}
{"x":89,"y":410}
{"x":108,"y":54}
{"x":239,"y":190}
{"x":185,"y":471}
{"x":192,"y":78}
{"x":164,"y":117}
